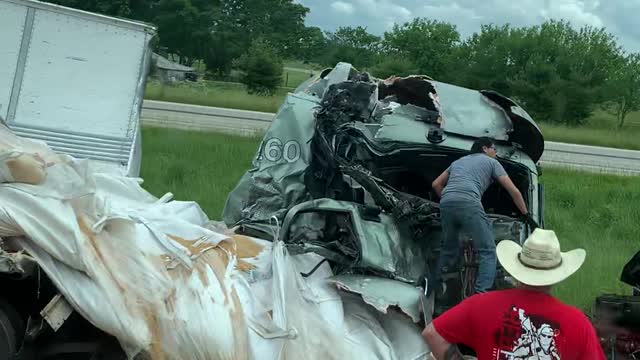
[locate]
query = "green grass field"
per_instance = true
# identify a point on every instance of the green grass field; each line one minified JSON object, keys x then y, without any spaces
{"x":291,"y":78}
{"x":598,"y":213}
{"x":600,"y":130}
{"x":203,"y":167}
{"x":213,"y":93}
{"x":297,"y":64}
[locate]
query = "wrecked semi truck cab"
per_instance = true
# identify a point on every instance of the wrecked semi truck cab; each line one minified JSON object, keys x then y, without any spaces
{"x":345,"y":171}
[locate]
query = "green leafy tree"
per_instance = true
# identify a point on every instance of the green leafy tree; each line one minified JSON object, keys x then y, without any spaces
{"x":311,"y":45}
{"x":556,"y":72}
{"x":353,"y":45}
{"x":625,"y":87}
{"x":566,"y":72}
{"x":178,"y":24}
{"x":490,"y":58}
{"x":236,"y":23}
{"x":429,"y":44}
{"x":394,"y":66}
{"x":262,"y":68}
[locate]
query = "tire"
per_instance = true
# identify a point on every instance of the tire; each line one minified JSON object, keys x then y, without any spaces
{"x":19,"y":327}
{"x":109,"y":350}
{"x":8,"y":340}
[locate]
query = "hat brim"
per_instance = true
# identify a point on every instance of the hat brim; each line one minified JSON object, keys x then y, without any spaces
{"x":508,"y":251}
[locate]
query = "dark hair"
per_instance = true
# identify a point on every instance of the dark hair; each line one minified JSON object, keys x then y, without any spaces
{"x":480,"y":143}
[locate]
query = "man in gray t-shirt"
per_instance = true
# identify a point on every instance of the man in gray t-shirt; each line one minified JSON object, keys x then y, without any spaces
{"x":460,"y":188}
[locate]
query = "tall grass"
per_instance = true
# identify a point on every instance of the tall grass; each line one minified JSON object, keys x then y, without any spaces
{"x":628,"y":138}
{"x":213,"y":93}
{"x":194,"y":166}
{"x":292,"y":78}
{"x":600,"y":130}
{"x":600,"y":214}
{"x":596,"y":212}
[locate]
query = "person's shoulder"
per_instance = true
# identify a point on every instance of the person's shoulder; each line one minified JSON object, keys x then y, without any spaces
{"x":494,"y":161}
{"x":577,"y":314}
{"x":491,"y":296}
{"x":482,"y":158}
{"x":496,"y":296}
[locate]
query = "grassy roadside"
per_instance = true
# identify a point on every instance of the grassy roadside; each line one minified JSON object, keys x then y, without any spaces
{"x":596,"y":212}
{"x":217,"y":94}
{"x":600,"y":130}
{"x":195,"y":166}
{"x":625,"y":139}
{"x":600,"y":214}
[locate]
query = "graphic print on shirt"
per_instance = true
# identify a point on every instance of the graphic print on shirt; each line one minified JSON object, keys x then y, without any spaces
{"x":526,"y":337}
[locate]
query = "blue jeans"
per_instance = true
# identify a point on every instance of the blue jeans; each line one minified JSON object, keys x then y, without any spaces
{"x":463,"y":217}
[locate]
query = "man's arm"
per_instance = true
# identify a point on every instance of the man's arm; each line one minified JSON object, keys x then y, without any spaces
{"x":439,"y":183}
{"x":506,"y":183}
{"x":440,"y":348}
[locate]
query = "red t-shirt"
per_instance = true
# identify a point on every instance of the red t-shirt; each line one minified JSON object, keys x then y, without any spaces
{"x":520,"y":324}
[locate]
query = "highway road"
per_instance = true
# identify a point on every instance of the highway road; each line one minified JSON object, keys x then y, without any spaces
{"x":248,"y":123}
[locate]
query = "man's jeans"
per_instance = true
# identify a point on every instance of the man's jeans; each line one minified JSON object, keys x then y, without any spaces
{"x":463,"y":217}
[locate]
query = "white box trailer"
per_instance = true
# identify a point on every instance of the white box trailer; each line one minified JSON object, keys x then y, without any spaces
{"x":75,"y":80}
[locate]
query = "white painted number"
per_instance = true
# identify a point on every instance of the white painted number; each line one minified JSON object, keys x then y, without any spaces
{"x":291,"y":151}
{"x":274,"y":150}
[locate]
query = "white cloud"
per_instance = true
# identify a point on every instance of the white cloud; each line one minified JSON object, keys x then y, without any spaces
{"x":382,"y":14}
{"x":577,"y":12}
{"x":342,"y":7}
{"x":617,"y":16}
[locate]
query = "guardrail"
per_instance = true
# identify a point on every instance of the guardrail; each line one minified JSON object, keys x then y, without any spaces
{"x":252,"y":123}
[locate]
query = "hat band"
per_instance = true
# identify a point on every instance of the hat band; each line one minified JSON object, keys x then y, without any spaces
{"x":539,"y":267}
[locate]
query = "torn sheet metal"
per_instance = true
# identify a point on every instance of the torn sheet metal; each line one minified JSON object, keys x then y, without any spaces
{"x":525,"y":131}
{"x":382,"y":293}
{"x":467,"y":112}
{"x":364,"y":333}
{"x":275,"y":181}
{"x":405,"y":336}
{"x":354,"y":236}
{"x":406,"y":112}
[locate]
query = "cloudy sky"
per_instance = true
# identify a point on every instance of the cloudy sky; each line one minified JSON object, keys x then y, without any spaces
{"x":618,"y":16}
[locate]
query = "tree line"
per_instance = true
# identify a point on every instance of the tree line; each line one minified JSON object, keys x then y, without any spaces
{"x":557,"y":72}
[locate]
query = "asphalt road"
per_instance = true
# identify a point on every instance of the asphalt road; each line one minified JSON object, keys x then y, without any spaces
{"x":248,"y":123}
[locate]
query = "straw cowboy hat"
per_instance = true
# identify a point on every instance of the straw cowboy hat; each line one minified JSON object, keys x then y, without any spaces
{"x":539,"y":262}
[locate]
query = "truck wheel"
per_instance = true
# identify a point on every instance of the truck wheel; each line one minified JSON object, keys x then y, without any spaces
{"x":19,"y":327}
{"x":8,"y":340}
{"x":109,"y":350}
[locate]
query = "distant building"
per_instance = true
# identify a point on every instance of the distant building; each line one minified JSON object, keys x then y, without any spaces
{"x":168,"y":71}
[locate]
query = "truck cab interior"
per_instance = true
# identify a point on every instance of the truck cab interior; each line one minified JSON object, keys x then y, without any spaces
{"x":413,"y":172}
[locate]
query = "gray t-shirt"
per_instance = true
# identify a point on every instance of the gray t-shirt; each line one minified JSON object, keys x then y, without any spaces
{"x":469,"y":178}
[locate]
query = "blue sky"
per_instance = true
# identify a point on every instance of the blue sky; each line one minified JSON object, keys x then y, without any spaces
{"x":618,"y":16}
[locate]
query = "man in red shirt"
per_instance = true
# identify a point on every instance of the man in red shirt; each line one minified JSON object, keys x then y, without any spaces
{"x":524,"y":323}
